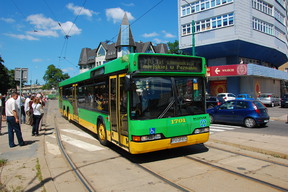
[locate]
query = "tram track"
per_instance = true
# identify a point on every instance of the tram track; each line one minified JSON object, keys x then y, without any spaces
{"x":178,"y":186}
{"x":77,"y":172}
{"x":238,"y":174}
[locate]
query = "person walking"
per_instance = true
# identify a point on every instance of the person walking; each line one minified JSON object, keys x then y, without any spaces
{"x":12,"y":116}
{"x":36,"y":106}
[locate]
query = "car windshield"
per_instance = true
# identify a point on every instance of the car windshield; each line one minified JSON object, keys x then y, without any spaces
{"x":161,"y":97}
{"x":241,"y":96}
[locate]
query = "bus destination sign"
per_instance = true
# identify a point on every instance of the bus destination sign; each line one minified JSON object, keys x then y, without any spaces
{"x":169,"y":63}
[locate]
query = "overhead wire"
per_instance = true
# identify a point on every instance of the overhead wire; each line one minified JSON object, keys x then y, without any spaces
{"x":52,"y":12}
{"x":24,"y":16}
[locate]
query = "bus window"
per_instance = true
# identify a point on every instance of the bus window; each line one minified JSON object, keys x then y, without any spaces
{"x":155,"y":97}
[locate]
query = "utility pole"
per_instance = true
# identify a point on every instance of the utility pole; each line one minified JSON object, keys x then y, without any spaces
{"x":193,"y":32}
{"x":21,"y":74}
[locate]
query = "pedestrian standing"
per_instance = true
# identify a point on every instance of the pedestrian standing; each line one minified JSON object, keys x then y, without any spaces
{"x":12,"y":116}
{"x":27,"y":110}
{"x":1,"y":109}
{"x":36,"y":106}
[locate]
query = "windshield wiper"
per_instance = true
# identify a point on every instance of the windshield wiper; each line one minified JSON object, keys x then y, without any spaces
{"x":167,"y":108}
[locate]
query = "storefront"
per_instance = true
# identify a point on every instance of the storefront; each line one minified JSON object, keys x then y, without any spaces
{"x":245,"y":78}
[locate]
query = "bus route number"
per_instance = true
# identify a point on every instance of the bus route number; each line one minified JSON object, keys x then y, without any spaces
{"x":177,"y":121}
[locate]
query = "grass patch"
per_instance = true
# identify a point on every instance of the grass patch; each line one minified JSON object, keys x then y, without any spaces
{"x":3,"y":162}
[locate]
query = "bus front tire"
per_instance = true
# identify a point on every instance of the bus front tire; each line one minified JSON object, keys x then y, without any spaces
{"x":102,"y":135}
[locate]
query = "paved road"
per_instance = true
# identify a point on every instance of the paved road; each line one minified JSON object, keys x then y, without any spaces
{"x":57,"y":175}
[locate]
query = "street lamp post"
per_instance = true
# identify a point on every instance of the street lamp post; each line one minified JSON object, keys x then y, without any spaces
{"x":193,"y":32}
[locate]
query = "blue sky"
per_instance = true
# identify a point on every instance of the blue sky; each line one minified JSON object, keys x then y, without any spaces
{"x":33,"y":31}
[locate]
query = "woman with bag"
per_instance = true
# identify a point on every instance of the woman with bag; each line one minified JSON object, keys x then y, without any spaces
{"x":36,"y":106}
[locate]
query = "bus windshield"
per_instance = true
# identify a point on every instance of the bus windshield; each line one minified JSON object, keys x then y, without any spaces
{"x":162,"y":97}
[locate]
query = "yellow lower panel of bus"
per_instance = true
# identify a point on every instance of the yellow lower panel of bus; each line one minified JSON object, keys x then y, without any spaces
{"x":144,"y":147}
{"x":92,"y":127}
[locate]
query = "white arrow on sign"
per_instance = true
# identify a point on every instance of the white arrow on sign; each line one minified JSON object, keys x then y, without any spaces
{"x":217,"y":70}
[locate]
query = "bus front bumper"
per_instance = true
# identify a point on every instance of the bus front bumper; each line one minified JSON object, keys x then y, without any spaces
{"x":149,"y":146}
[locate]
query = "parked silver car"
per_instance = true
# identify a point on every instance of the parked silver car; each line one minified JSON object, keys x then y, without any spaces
{"x":269,"y":99}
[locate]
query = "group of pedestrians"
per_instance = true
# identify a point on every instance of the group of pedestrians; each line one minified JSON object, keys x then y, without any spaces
{"x":32,"y":111}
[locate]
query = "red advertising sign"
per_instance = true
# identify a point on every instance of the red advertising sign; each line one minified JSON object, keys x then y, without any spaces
{"x":227,"y":70}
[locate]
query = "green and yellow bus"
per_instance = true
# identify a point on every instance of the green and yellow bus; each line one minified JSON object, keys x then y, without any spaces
{"x":141,"y":102}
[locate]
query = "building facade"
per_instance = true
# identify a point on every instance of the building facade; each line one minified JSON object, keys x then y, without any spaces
{"x":90,"y":58}
{"x":234,"y":32}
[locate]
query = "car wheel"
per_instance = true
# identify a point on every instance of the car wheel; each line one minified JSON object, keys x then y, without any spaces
{"x":211,"y":119}
{"x":250,"y":122}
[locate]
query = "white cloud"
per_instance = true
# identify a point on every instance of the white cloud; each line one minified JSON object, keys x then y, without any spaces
{"x":147,"y":35}
{"x":37,"y":60}
{"x":7,"y":20}
{"x":129,"y":4}
{"x":27,"y":37}
{"x":116,"y":14}
{"x":168,"y":35}
{"x":157,"y":41}
{"x":77,"y":10}
{"x":69,"y":69}
{"x":70,"y":29}
{"x":48,"y":27}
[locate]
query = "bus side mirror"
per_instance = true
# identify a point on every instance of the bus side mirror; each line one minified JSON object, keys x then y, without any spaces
{"x":127,"y":85}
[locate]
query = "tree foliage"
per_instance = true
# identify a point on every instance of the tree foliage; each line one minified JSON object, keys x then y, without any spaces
{"x":7,"y":78}
{"x":53,"y":76}
{"x":174,"y":47}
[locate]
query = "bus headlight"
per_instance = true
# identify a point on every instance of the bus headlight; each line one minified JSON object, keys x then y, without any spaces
{"x":147,"y":137}
{"x":201,"y":130}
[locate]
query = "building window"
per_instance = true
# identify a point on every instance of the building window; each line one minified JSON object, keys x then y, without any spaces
{"x":202,"y":5}
{"x":186,"y":29}
{"x":279,"y":16}
{"x":262,"y":26}
{"x":262,"y":6}
{"x":212,"y":23}
{"x":280,"y":34}
{"x":101,"y":52}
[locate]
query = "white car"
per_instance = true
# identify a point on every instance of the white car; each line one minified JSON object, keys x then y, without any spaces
{"x":227,"y":96}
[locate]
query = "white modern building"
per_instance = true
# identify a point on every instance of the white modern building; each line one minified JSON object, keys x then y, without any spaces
{"x":229,"y":33}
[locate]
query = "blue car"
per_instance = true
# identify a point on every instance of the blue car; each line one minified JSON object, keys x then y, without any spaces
{"x":244,"y":112}
{"x":245,"y":96}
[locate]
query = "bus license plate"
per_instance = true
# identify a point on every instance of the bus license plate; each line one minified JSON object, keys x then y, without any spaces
{"x":178,"y":139}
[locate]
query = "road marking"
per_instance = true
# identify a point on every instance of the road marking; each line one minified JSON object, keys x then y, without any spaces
{"x":53,"y":149}
{"x":80,"y":133}
{"x":220,"y":128}
{"x":80,"y":144}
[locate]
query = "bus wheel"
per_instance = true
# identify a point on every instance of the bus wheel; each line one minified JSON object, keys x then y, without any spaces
{"x":102,"y":136}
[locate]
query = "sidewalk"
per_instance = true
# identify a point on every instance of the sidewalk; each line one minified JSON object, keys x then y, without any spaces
{"x":22,"y":168}
{"x":20,"y":172}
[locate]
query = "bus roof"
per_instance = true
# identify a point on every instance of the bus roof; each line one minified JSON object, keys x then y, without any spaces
{"x":127,"y":62}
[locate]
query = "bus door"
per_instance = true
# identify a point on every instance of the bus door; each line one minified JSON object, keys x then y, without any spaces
{"x":118,"y":110}
{"x":74,"y":103}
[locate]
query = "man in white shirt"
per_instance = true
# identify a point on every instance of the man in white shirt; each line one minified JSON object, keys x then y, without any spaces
{"x":11,"y":110}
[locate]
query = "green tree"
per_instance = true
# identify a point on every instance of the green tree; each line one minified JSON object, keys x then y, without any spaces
{"x":7,"y":78}
{"x":53,"y":76}
{"x":174,"y":47}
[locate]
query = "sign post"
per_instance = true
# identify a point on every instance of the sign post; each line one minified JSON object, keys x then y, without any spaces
{"x":21,"y":74}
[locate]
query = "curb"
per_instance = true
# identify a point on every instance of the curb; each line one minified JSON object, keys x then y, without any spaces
{"x":253,"y":149}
